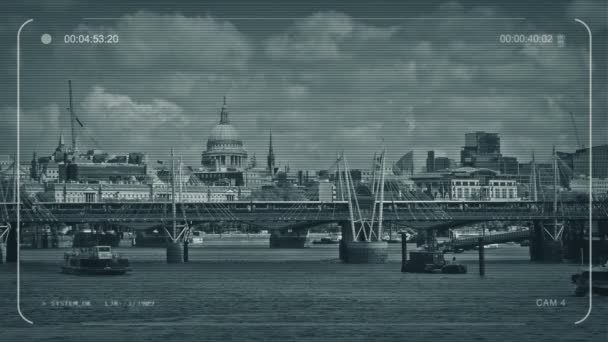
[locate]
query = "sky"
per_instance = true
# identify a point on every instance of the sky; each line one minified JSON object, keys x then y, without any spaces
{"x":325,"y":77}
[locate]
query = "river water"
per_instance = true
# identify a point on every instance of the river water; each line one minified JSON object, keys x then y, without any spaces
{"x":242,"y":290}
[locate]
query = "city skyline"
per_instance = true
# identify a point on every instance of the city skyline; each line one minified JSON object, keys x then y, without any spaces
{"x":322,"y":81}
{"x":304,"y":170}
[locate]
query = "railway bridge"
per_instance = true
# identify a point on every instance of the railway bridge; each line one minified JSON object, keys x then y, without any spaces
{"x":289,"y":221}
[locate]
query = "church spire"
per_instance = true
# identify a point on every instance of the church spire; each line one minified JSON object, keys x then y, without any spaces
{"x":270,"y":164}
{"x":224,"y":114}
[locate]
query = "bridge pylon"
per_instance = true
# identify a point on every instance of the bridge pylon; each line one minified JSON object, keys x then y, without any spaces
{"x":177,"y":248}
{"x":362,"y":234}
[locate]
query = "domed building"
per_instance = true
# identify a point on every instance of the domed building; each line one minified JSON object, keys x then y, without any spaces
{"x":224,"y":147}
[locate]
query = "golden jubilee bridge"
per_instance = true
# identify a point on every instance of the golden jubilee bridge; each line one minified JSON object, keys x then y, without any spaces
{"x":289,"y":221}
{"x":288,"y":213}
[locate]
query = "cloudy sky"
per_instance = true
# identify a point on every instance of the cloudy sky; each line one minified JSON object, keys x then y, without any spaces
{"x":324,"y":76}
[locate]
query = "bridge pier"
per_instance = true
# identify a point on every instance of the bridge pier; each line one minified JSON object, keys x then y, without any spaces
{"x":12,"y":244}
{"x":576,"y":241}
{"x":542,"y":247}
{"x":482,"y":258}
{"x":403,"y":251}
{"x":186,"y":255}
{"x":175,"y":253}
{"x":290,"y":238}
{"x":365,"y":252}
{"x":361,"y":252}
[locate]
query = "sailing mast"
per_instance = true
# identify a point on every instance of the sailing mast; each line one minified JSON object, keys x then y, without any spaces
{"x":174,"y":237}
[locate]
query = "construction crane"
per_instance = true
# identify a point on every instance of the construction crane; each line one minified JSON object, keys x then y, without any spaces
{"x":578,"y":140}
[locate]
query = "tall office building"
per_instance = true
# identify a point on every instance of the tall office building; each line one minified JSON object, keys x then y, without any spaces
{"x":442,"y":163}
{"x":482,"y":142}
{"x":599,"y":162}
{"x":482,"y":150}
{"x":405,"y":164}
{"x":430,"y":161}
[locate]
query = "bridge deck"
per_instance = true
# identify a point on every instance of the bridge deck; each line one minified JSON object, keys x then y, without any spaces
{"x":281,"y":211}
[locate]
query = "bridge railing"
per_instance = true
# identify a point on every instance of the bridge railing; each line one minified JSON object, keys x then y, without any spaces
{"x":393,"y":211}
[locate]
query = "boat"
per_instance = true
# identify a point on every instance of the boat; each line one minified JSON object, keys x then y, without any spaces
{"x":197,"y":237}
{"x":151,"y":238}
{"x":94,"y":260}
{"x":331,"y":240}
{"x":599,"y":275}
{"x":88,"y":237}
{"x":431,"y":262}
{"x":454,"y":268}
{"x":451,"y":249}
{"x":325,"y":241}
{"x":490,"y":246}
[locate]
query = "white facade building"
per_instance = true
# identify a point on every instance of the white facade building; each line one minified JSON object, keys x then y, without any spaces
{"x":93,"y":193}
{"x":600,"y":186}
{"x":503,"y":190}
{"x":468,"y":189}
{"x":326,"y":191}
{"x":465,"y":189}
{"x":257,"y":178}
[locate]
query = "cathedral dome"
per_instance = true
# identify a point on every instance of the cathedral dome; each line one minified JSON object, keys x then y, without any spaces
{"x":224,"y":145}
{"x":224,"y":136}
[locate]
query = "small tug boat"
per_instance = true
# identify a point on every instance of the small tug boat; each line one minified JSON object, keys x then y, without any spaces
{"x":197,"y":237}
{"x":325,"y":241}
{"x":332,"y":239}
{"x":94,"y":260}
{"x":431,"y":262}
{"x":599,"y":281}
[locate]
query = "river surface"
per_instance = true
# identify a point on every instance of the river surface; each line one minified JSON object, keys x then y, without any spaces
{"x":242,"y":290}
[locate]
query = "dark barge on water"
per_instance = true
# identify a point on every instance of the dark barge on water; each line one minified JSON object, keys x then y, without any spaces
{"x":95,"y":260}
{"x":431,"y":262}
{"x":599,"y":281}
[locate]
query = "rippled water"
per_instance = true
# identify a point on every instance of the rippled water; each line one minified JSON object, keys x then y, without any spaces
{"x":246,"y":291}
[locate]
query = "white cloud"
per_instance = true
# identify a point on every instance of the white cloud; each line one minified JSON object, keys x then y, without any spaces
{"x":149,"y":40}
{"x":297,"y":91}
{"x":119,"y":120}
{"x":326,"y":83}
{"x":40,"y":129}
{"x":323,"y":36}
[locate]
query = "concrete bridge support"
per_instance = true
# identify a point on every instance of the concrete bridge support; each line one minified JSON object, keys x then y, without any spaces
{"x":361,"y":252}
{"x":542,"y":247}
{"x":365,"y":252}
{"x":12,"y":244}
{"x":601,"y":250}
{"x":573,"y":241}
{"x":175,"y":253}
{"x":290,"y":238}
{"x":577,"y":242}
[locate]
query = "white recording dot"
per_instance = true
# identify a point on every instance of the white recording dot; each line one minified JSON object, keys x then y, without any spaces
{"x":46,"y":38}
